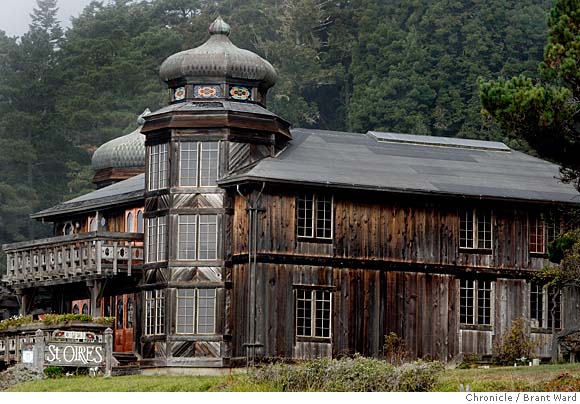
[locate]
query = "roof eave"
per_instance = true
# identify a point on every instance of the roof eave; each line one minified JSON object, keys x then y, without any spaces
{"x":246,"y":179}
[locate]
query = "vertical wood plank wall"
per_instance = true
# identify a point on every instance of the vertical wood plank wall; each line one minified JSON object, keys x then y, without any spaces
{"x":420,"y":305}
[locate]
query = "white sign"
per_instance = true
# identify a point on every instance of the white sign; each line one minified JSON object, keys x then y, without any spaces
{"x":74,"y":354}
{"x":28,"y":357}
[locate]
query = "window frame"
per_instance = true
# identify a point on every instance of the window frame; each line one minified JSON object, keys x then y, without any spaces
{"x":473,"y":302}
{"x":549,"y":226}
{"x":197,"y":239}
{"x":313,"y":313}
{"x":154,"y":312}
{"x":156,"y":226}
{"x":543,"y":317}
{"x":476,"y":244}
{"x":158,"y":167}
{"x":200,"y":164}
{"x":317,"y":216}
{"x":195,"y":313}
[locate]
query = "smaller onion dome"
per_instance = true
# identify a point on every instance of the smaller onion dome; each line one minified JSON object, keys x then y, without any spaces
{"x":218,"y":57}
{"x":123,"y":154}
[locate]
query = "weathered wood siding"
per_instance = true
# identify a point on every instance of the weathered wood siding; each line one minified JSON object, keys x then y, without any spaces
{"x":366,"y":305}
{"x":389,"y":229}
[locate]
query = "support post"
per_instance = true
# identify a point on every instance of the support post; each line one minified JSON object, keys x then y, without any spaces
{"x":95,"y":292}
{"x":24,"y":300}
{"x":39,"y":345}
{"x":108,"y":352}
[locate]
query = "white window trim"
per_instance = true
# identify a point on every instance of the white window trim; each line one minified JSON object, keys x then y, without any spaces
{"x":154,"y":223}
{"x":199,"y":147}
{"x":312,"y":313}
{"x":197,"y":238}
{"x":476,"y":303}
{"x":475,"y":235}
{"x":313,"y":225}
{"x":195,"y":325}
{"x":539,"y":221}
{"x":158,"y":176}
{"x":155,"y":325}
{"x":546,"y":314}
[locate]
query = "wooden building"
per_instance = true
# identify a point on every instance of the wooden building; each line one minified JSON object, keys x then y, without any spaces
{"x":246,"y":239}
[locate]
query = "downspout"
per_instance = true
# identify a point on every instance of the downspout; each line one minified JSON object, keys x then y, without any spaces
{"x":253,"y":209}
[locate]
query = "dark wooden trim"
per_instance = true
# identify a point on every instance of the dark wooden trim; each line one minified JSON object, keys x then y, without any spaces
{"x":476,"y":327}
{"x":384,"y":265}
{"x":322,"y":340}
{"x":330,"y":288}
{"x":482,"y":251}
{"x":301,"y":239}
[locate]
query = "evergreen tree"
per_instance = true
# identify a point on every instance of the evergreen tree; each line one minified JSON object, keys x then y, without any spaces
{"x":543,"y":112}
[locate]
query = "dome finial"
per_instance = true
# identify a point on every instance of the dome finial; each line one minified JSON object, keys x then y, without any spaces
{"x":219,"y":27}
{"x":141,"y":118}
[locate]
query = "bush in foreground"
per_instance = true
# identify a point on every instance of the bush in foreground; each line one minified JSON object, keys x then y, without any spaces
{"x":350,"y":374}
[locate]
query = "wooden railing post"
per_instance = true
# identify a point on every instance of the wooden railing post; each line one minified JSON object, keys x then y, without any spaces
{"x":98,"y":258}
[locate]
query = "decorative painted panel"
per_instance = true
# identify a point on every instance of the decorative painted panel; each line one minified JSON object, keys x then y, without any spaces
{"x":240,"y":93}
{"x":207,"y":91}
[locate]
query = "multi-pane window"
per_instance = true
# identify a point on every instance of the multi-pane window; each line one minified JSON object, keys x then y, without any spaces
{"x":541,"y":303}
{"x":198,"y":164}
{"x":158,"y":168}
{"x":475,"y":229}
{"x":543,"y":230}
{"x":314,"y":216}
{"x":475,"y":302}
{"x":197,"y":237}
{"x":156,"y":239}
{"x":154,"y":312}
{"x":196,"y":311}
{"x":313,"y":313}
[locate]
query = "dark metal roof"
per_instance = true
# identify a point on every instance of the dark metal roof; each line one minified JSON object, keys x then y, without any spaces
{"x":359,"y":161}
{"x":213,"y":106}
{"x":120,"y":193}
{"x":427,"y":165}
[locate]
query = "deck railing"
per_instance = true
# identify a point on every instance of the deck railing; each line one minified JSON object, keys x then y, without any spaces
{"x":77,"y":257}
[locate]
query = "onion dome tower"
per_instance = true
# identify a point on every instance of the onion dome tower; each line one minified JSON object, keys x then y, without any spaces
{"x":215,"y":126}
{"x":120,"y":158}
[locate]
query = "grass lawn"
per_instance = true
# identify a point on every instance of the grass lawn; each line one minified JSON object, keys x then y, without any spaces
{"x":493,"y":379}
{"x":523,"y":378}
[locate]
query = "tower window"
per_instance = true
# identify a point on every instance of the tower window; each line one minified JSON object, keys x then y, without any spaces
{"x":154,"y":312}
{"x":156,"y":239}
{"x":158,"y":168}
{"x":197,"y":237}
{"x":198,"y":164}
{"x":196,"y":311}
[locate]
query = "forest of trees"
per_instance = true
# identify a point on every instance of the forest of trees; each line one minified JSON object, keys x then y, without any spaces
{"x":409,"y":66}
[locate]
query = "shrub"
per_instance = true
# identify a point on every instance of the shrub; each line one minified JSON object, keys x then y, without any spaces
{"x":395,"y":349}
{"x":357,"y":374}
{"x":54,"y":372}
{"x":514,"y":345}
{"x":564,"y":382}
{"x":14,"y":321}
